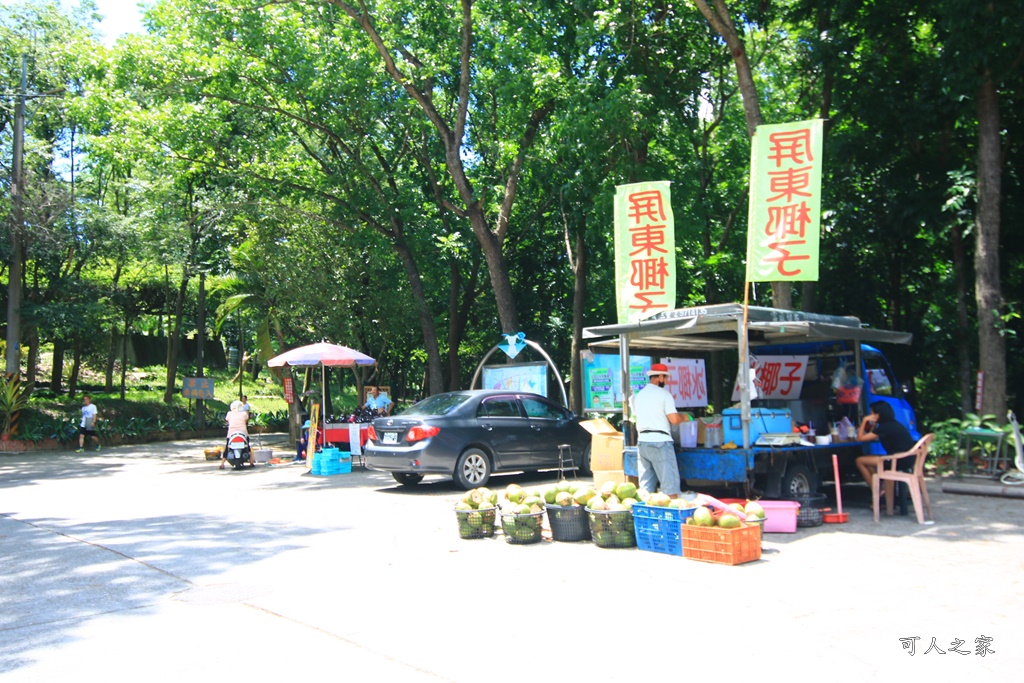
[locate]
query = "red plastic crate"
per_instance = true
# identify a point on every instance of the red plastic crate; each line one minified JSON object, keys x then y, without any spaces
{"x":722,"y":546}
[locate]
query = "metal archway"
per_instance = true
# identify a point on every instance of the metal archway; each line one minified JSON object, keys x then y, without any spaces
{"x":536,"y":347}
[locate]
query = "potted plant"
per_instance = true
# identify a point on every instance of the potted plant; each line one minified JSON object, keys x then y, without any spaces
{"x":13,"y":399}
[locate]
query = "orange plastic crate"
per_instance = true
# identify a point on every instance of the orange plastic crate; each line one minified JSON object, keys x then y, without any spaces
{"x":722,"y":546}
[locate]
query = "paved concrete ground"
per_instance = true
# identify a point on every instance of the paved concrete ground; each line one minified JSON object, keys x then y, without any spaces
{"x":149,"y":562}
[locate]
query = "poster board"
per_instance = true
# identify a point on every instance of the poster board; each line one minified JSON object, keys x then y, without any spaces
{"x":602,"y":380}
{"x":532,"y":377}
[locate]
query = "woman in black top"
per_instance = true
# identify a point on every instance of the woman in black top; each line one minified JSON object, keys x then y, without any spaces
{"x":881,"y":425}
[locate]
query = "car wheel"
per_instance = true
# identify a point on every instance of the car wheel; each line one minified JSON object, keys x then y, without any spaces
{"x":798,"y":482}
{"x":407,"y":478}
{"x":584,"y":464}
{"x":473,"y":469}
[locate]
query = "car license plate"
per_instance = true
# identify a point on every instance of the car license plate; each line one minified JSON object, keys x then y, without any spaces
{"x":390,"y":437}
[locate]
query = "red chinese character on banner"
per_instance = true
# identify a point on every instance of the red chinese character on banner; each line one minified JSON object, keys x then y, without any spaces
{"x":688,"y":384}
{"x":791,"y":377}
{"x":781,"y":255}
{"x":768,"y":375}
{"x":791,"y":219}
{"x":648,"y":239}
{"x":789,"y":183}
{"x":648,"y":273}
{"x":794,"y":145}
{"x":648,"y":205}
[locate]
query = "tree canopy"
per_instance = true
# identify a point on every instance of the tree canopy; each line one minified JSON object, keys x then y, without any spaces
{"x":414,"y":179}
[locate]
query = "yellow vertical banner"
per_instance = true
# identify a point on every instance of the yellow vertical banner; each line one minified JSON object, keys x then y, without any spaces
{"x":784,"y":228}
{"x":314,"y":429}
{"x":645,"y":250}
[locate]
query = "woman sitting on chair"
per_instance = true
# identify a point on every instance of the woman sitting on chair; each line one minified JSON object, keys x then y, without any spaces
{"x":881,"y":425}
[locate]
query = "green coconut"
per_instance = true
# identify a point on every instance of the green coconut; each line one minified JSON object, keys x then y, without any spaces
{"x":626,"y":489}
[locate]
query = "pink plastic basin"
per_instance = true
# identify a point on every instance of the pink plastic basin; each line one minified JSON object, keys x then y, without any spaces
{"x":780,"y":515}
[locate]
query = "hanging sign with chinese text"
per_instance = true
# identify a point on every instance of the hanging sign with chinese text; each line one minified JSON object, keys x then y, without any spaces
{"x":780,"y":377}
{"x":687,"y":382}
{"x":645,"y":244}
{"x":785,"y":202}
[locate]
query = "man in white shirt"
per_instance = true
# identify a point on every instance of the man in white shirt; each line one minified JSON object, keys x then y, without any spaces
{"x":87,"y":427}
{"x":654,"y":411}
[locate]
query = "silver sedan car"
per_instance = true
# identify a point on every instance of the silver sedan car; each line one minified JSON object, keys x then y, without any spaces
{"x":468,"y":435}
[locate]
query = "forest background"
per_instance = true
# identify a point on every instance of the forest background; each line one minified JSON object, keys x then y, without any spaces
{"x":413,"y":179}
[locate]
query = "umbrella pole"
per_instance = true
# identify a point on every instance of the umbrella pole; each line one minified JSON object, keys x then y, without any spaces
{"x":323,"y":395}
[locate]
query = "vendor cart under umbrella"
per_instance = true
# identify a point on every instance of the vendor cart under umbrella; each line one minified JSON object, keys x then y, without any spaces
{"x":323,"y":354}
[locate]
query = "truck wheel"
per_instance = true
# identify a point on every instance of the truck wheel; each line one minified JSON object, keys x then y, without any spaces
{"x":799,"y":481}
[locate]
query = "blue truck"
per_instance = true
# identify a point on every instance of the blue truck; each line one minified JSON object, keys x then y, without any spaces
{"x":844,"y":373}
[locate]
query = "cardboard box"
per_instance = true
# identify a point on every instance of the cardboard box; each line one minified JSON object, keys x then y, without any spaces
{"x":598,"y":426}
{"x":606,"y":452}
{"x":605,"y":445}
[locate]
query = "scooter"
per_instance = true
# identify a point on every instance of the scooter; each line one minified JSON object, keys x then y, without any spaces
{"x":238,"y":450}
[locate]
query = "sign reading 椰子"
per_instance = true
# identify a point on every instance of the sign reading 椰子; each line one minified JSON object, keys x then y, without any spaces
{"x":645,"y":245}
{"x":785,"y":202}
{"x":779,"y":377}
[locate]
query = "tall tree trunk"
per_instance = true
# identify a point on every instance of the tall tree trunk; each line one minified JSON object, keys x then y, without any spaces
{"x":462,"y":296}
{"x":124,"y":352}
{"x":174,"y":339}
{"x":456,"y":326}
{"x":434,"y":374}
{"x":57,"y":373}
{"x":579,"y":300}
{"x":720,"y":20}
{"x":108,"y":370}
{"x":108,"y":384}
{"x":963,"y":322}
{"x":200,"y":342}
{"x":31,"y":337}
{"x":988,"y":288}
{"x":76,"y":366}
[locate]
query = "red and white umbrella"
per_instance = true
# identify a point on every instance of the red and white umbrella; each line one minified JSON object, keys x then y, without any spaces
{"x":322,"y":354}
{"x":332,"y":355}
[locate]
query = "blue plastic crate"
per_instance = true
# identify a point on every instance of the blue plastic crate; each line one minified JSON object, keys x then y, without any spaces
{"x":659,"y":529}
{"x":331,"y":469}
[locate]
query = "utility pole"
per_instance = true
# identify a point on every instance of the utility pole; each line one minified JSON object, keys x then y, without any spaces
{"x":17,"y":226}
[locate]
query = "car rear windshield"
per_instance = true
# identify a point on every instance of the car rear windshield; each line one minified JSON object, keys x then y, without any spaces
{"x":441,"y":404}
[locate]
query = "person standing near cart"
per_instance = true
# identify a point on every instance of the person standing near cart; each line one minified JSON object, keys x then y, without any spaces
{"x":654,"y":413}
